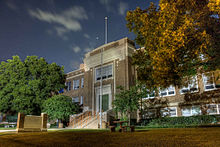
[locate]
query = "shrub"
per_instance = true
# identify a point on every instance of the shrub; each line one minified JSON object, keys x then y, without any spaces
{"x":165,"y":122}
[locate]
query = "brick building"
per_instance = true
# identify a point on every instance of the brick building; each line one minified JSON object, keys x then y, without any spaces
{"x":201,"y":95}
{"x":83,"y":85}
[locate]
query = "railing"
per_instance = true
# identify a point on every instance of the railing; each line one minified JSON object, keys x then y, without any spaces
{"x":82,"y":119}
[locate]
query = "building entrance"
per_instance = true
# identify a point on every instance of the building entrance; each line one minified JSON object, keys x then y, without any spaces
{"x":106,"y":98}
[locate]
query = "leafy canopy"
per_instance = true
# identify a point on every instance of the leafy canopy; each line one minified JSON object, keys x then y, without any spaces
{"x":60,"y":107}
{"x":25,"y":85}
{"x":179,"y":39}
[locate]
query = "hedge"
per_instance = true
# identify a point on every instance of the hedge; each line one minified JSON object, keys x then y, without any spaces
{"x":165,"y":122}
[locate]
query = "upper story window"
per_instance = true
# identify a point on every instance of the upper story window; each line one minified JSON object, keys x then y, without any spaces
{"x":208,"y":81}
{"x":68,"y":84}
{"x":151,"y":95}
{"x":106,"y":72}
{"x":82,"y":82}
{"x":168,"y":91}
{"x":192,"y":85}
{"x":75,"y":84}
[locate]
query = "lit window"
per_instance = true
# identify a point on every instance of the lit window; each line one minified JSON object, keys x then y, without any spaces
{"x":171,"y":111}
{"x":106,"y":72}
{"x":186,"y":111}
{"x":192,"y":85}
{"x":168,"y":91}
{"x":196,"y":110}
{"x":82,"y":82}
{"x":189,"y":111}
{"x":75,"y":84}
{"x":208,"y":81}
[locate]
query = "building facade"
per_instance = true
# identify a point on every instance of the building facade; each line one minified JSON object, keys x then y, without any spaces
{"x":83,"y":85}
{"x":200,"y":95}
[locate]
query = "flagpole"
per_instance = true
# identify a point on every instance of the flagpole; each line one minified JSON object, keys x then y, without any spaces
{"x":101,"y":86}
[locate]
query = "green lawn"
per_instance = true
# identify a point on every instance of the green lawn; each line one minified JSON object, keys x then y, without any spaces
{"x":154,"y":137}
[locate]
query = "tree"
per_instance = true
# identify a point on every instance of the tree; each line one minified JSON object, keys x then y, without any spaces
{"x":60,"y":107}
{"x":180,"y":38}
{"x":214,"y":5}
{"x":24,"y":86}
{"x":126,"y":101}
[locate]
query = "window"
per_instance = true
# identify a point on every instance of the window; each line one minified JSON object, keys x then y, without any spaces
{"x":106,"y":72}
{"x":75,"y":99}
{"x":186,"y":111}
{"x":171,"y":111}
{"x":68,"y":84}
{"x":192,"y":85}
{"x":196,"y":110}
{"x":82,"y":82}
{"x":212,"y":109}
{"x":168,"y":91}
{"x":75,"y":84}
{"x":208,"y":81}
{"x":81,"y":101}
{"x":150,"y":113}
{"x":151,"y":95}
{"x":189,"y":111}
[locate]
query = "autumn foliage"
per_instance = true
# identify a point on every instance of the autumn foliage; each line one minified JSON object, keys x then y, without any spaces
{"x":178,"y":39}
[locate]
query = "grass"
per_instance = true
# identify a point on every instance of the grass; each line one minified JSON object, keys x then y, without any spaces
{"x":153,"y":137}
{"x":7,"y":128}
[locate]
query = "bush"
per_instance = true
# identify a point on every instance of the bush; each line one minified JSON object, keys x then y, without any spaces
{"x":165,"y":122}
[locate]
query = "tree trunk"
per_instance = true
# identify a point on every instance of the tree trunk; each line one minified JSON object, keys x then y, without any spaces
{"x":129,"y":118}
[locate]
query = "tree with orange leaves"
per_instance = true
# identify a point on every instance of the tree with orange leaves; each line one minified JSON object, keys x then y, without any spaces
{"x":179,"y":38}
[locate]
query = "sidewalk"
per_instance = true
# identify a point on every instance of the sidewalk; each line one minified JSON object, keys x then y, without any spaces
{"x":14,"y":130}
{"x":53,"y":129}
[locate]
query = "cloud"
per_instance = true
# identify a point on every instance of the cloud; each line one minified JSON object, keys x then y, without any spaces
{"x":11,"y":5}
{"x":107,"y":4}
{"x":74,"y":64}
{"x":123,"y":7}
{"x":76,"y":49}
{"x":86,"y":36}
{"x":88,"y":49}
{"x":66,"y":21}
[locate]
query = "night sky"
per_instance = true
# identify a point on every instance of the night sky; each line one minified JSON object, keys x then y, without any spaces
{"x":61,"y":31}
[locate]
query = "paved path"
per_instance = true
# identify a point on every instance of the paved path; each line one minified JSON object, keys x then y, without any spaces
{"x":14,"y":130}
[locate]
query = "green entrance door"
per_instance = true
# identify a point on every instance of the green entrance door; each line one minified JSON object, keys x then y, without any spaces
{"x":105,"y":102}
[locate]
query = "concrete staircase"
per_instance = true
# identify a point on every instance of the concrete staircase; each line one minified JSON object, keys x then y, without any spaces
{"x":85,"y":120}
{"x":90,"y":120}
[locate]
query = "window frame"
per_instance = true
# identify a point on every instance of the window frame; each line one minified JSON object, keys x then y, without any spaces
{"x":167,"y":91}
{"x":75,"y":82}
{"x":82,"y":82}
{"x":188,"y":88}
{"x":169,"y":113}
{"x":217,"y":109}
{"x":107,"y":75}
{"x":81,"y":100}
{"x":205,"y":81}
